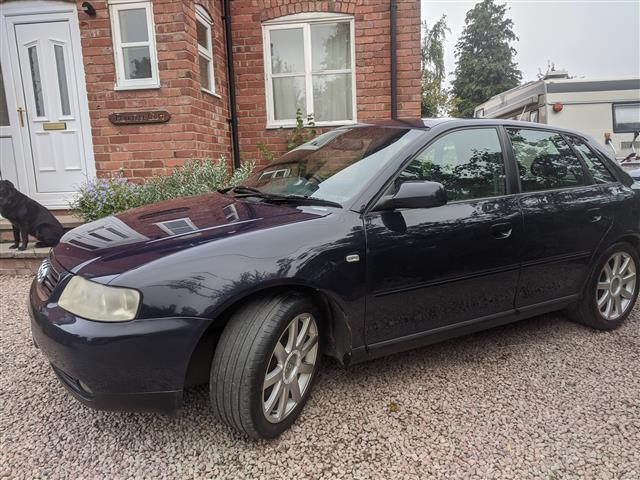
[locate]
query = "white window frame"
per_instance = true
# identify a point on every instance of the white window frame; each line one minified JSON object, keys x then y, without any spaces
{"x":304,"y":21}
{"x":115,"y":6}
{"x":203,"y":18}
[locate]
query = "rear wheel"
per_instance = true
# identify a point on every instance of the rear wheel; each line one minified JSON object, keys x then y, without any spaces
{"x":265,"y":364}
{"x":612,"y":289}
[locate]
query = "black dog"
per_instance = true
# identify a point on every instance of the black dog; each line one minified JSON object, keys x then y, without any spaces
{"x":28,"y":217}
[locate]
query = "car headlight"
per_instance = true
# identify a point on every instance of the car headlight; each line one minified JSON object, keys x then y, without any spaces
{"x":95,"y":301}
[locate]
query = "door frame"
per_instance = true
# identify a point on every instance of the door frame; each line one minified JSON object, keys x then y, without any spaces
{"x":38,"y":11}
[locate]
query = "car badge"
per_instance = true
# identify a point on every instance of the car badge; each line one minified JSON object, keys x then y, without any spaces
{"x":43,"y":270}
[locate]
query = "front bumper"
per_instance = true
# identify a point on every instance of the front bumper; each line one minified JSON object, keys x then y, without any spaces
{"x":134,"y":366}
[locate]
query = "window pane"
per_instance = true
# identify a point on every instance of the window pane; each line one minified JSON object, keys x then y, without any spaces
{"x":288,"y":96}
{"x":545,"y":161}
{"x":468,"y":163}
{"x":62,"y":80}
{"x":35,"y":79}
{"x":4,"y":111}
{"x":205,"y":79}
{"x":332,"y":97}
{"x":599,"y":171}
{"x":137,"y":62}
{"x":287,"y":51}
{"x":203,"y":34}
{"x":133,"y":25}
{"x":627,"y":117}
{"x":331,"y":46}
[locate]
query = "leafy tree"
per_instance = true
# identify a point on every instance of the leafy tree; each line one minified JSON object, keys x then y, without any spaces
{"x":485,"y":64}
{"x":434,"y":98}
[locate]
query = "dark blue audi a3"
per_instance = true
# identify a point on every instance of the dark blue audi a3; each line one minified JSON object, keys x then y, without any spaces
{"x":368,"y":240}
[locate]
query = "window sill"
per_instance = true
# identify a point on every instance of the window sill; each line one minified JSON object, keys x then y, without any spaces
{"x":154,"y":86}
{"x":213,"y":94}
{"x":271,"y":126}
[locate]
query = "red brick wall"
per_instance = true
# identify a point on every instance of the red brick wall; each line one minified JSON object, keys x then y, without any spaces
{"x":198,"y":127}
{"x":373,"y":62}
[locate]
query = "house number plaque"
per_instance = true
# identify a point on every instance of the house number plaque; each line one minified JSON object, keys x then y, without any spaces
{"x":134,"y":118}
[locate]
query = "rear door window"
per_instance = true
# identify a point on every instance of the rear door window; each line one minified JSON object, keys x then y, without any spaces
{"x":545,"y":160}
{"x":596,"y":166}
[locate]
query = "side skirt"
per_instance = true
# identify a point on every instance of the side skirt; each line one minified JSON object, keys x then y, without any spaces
{"x":421,"y":339}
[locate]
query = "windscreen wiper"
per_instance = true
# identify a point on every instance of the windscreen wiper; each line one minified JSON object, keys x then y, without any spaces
{"x":302,"y":200}
{"x":243,"y":192}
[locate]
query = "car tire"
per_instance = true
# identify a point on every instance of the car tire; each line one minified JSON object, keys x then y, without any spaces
{"x":608,"y":298}
{"x":256,"y":361}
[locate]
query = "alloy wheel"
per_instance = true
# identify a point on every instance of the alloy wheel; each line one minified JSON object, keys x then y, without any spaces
{"x":290,"y":368}
{"x":616,"y":286}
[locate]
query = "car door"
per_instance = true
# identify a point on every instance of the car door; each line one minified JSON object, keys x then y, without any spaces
{"x":430,"y":268}
{"x":564,"y":219}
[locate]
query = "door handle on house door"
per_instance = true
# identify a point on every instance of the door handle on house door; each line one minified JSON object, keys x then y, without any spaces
{"x":20,"y":112}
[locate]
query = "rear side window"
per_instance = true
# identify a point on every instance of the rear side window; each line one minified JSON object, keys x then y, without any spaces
{"x":545,"y":161}
{"x":468,"y":163}
{"x":598,"y":169}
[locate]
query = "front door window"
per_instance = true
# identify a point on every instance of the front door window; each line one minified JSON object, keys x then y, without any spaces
{"x":36,"y":82}
{"x":4,"y":111}
{"x":63,"y":86}
{"x":468,"y":163}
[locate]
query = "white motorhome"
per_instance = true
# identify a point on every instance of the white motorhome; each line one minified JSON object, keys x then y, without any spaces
{"x":608,"y":110}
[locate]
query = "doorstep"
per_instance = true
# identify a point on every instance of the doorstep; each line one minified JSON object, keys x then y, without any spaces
{"x":25,"y":262}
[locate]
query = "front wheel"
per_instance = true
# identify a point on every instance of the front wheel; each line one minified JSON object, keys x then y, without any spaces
{"x":612,"y":289}
{"x":265,"y":364}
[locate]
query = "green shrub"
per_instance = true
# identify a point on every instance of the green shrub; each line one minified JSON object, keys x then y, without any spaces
{"x":103,"y":197}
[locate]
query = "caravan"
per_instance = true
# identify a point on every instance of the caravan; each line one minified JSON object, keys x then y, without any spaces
{"x":608,"y":110}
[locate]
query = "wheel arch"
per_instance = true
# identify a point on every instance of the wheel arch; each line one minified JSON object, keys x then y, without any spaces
{"x":335,"y":328}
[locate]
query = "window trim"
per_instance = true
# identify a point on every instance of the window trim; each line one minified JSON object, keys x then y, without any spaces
{"x":613,"y":116}
{"x":115,"y":6}
{"x":304,"y":21}
{"x":203,"y":17}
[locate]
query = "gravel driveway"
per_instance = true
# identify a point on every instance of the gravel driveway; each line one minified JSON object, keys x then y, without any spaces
{"x":542,"y":399}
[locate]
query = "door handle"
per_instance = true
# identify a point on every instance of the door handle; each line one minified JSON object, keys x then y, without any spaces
{"x":594,"y":214}
{"x":20,"y":112}
{"x":501,"y":231}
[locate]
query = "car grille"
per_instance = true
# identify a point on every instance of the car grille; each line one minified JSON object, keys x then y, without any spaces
{"x":48,"y":277}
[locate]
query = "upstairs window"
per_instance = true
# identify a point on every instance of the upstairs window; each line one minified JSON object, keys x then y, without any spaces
{"x":134,"y":45}
{"x":205,"y":50}
{"x":309,"y":62}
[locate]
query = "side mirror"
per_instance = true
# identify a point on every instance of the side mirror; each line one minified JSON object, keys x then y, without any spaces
{"x":415,"y":194}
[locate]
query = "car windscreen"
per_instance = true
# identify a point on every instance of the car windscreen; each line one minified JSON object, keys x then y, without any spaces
{"x":334,"y":166}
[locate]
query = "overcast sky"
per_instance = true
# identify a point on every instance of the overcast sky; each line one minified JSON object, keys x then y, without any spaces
{"x":592,"y":39}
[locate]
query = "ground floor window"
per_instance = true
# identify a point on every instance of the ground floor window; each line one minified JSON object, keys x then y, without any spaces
{"x":310,"y":66}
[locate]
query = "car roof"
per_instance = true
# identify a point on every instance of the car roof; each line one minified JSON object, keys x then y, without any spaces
{"x":430,"y":123}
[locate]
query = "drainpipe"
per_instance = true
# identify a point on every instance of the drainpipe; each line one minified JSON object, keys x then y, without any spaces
{"x":393,"y":27}
{"x":231,"y":80}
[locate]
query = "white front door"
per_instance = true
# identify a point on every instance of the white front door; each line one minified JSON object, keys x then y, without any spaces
{"x":51,"y":111}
